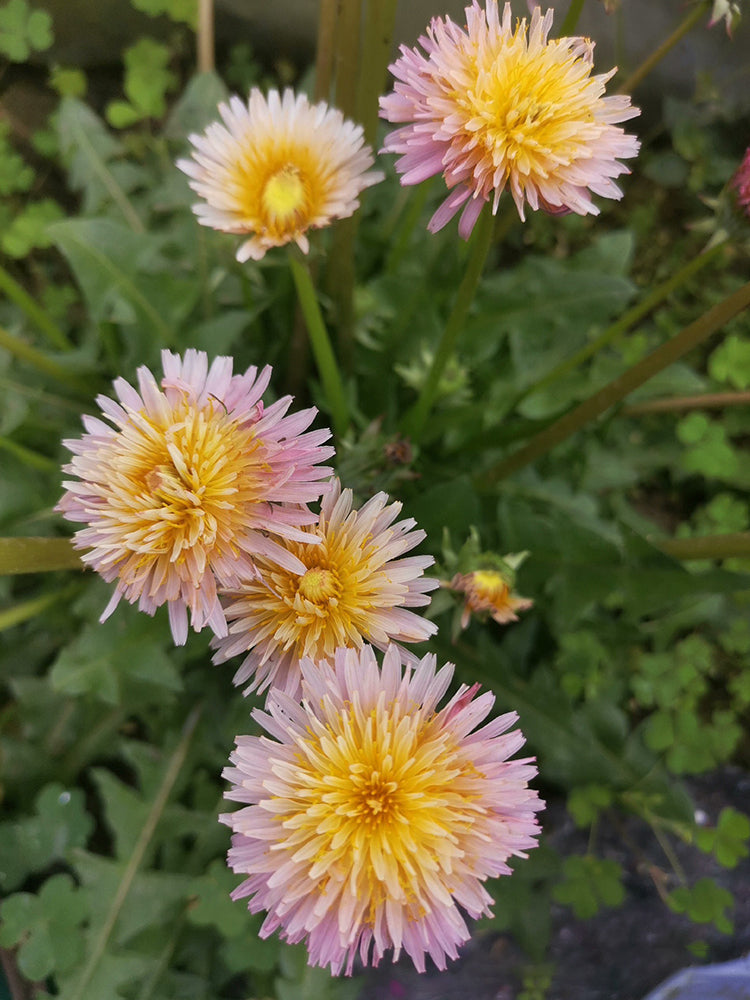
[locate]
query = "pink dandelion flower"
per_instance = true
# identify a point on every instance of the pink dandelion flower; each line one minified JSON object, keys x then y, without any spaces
{"x":488,"y":591}
{"x":277,"y":167}
{"x":180,"y":495}
{"x":349,"y":584}
{"x":741,"y":183}
{"x":494,"y":107}
{"x":371,"y":818}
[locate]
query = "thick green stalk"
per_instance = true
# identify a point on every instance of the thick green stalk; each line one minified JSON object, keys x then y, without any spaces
{"x":373,"y":71}
{"x":571,"y":18}
{"x":25,"y":352}
{"x":654,"y":298}
{"x":101,"y":939}
{"x":416,"y":418}
{"x":707,"y":547}
{"x":37,"y":555}
{"x":595,"y":405}
{"x":36,"y":314}
{"x":321,"y":345}
{"x":325,"y":48}
{"x":642,"y":71}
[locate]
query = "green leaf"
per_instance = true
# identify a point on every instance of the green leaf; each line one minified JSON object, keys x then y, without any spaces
{"x":29,"y":229}
{"x":728,"y":841}
{"x":68,"y":81}
{"x":15,"y":174}
{"x":585,"y":803}
{"x":589,"y":884}
{"x":183,"y":11}
{"x":213,"y":906}
{"x":34,"y":843}
{"x":705,"y":903}
{"x":125,"y":279}
{"x":730,"y":362}
{"x":47,"y":927}
{"x":104,"y":660}
{"x":147,"y":82}
{"x":196,"y":107}
{"x":23,"y":30}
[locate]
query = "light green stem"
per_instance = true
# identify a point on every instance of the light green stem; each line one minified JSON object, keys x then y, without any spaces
{"x":36,"y":314}
{"x":321,"y":345}
{"x":171,"y":774}
{"x":25,"y":610}
{"x":690,"y":20}
{"x":416,"y":418}
{"x":628,"y":319}
{"x":707,"y":547}
{"x":571,"y":18}
{"x":37,"y":555}
{"x":595,"y":405}
{"x":25,"y":352}
{"x":31,"y":458}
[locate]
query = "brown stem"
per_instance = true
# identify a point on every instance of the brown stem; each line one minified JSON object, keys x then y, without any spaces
{"x":325,"y":48}
{"x":706,"y":547}
{"x":206,"y":56}
{"x":703,"y":401}
{"x":595,"y":405}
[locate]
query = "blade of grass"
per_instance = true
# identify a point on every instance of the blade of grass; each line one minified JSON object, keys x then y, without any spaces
{"x":33,"y":310}
{"x":682,"y":29}
{"x":171,"y":773}
{"x":706,"y":547}
{"x":48,"y":366}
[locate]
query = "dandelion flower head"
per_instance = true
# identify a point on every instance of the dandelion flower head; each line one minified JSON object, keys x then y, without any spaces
{"x":496,"y":106}
{"x":277,"y":167}
{"x":371,"y":818}
{"x":182,"y":489}
{"x":486,"y":590}
{"x":354,"y":585}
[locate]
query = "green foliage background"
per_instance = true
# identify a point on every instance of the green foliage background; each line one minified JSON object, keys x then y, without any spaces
{"x":629,"y":674}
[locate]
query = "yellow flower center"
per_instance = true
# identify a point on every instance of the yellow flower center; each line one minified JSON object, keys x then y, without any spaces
{"x":283,"y":196}
{"x":180,"y":486}
{"x":319,"y":586}
{"x":382,"y":802}
{"x":489,"y":586}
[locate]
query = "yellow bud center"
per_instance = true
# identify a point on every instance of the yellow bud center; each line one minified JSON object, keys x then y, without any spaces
{"x":319,"y":586}
{"x":488,"y":585}
{"x":284,"y":194}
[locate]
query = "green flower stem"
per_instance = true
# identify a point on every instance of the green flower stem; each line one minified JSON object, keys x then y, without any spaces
{"x":25,"y":352}
{"x":172,"y":772}
{"x":348,"y":51}
{"x":571,"y":18}
{"x":37,"y":555}
{"x":31,"y":458}
{"x":373,"y":72}
{"x":205,"y":39}
{"x":325,"y":48}
{"x":26,"y":610}
{"x":321,"y":345}
{"x":707,"y":547}
{"x":595,"y":405}
{"x":416,"y":418}
{"x":654,"y":298}
{"x":690,"y":20}
{"x":36,"y":314}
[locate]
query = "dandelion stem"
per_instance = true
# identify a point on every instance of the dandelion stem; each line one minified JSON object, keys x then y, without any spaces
{"x":701,"y":401}
{"x":325,"y":48}
{"x":571,"y":18}
{"x":690,"y":20}
{"x":36,"y":314}
{"x":25,"y":610}
{"x":321,"y":345}
{"x":595,"y":405}
{"x":206,"y":54}
{"x":25,"y":352}
{"x":707,"y":547}
{"x":37,"y":555}
{"x":654,"y":298}
{"x":381,"y":15}
{"x":416,"y":418}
